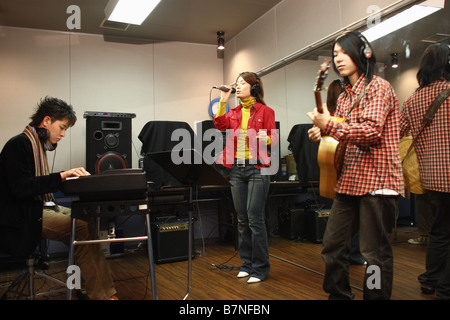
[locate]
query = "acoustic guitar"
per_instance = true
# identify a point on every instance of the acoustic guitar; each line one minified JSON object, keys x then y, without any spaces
{"x":331,"y":153}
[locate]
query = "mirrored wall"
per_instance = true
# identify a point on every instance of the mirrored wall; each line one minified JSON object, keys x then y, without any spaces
{"x":289,"y":83}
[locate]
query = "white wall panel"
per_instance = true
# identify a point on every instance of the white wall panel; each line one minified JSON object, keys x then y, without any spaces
{"x":184,"y":76}
{"x":95,"y":75}
{"x":302,"y":22}
{"x":110,"y":77}
{"x":33,"y":64}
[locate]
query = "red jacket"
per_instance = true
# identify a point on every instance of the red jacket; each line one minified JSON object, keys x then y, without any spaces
{"x":261,"y":117}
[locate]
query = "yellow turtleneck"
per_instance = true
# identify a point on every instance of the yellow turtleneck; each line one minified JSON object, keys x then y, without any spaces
{"x":242,"y":144}
{"x":242,"y":151}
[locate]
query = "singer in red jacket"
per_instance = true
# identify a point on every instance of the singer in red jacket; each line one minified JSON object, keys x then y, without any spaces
{"x":251,"y":133}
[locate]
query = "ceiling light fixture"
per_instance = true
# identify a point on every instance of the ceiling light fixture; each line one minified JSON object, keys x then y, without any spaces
{"x":402,"y":19}
{"x":129,"y":11}
{"x":394,"y":60}
{"x":220,"y":40}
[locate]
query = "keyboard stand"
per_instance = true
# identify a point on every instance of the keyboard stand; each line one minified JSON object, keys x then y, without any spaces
{"x":111,"y":209}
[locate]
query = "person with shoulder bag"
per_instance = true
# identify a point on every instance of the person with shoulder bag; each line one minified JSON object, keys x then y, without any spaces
{"x":430,"y":129}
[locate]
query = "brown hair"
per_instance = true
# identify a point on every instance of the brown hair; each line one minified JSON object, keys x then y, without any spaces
{"x":254,"y":80}
{"x":334,"y":90}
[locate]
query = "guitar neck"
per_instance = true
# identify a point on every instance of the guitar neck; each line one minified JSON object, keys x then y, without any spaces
{"x":319,"y":83}
{"x":317,"y":95}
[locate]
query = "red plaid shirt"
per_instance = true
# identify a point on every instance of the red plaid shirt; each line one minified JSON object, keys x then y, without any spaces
{"x":372,"y":160}
{"x":433,"y":145}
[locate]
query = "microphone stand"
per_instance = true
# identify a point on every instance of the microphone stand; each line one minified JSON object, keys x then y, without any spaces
{"x":190,"y":235}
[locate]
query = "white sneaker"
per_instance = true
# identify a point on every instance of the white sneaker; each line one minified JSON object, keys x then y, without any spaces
{"x":253,"y":280}
{"x":243,"y":274}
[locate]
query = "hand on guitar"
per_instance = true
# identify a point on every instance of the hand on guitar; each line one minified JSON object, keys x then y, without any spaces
{"x":314,"y":134}
{"x":320,"y":119}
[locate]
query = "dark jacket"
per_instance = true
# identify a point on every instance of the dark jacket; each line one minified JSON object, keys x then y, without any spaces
{"x":20,"y":204}
{"x":304,"y":152}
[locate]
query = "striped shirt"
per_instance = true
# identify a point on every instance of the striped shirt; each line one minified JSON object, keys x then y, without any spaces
{"x":372,"y":161}
{"x":433,"y":145}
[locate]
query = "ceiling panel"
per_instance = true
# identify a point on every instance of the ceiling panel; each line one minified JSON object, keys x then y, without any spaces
{"x":195,"y":21}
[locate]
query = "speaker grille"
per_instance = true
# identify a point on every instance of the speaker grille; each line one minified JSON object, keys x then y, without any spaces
{"x":108,"y":141}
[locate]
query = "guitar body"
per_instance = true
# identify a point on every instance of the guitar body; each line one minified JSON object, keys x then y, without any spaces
{"x":330,"y":158}
{"x":331,"y":153}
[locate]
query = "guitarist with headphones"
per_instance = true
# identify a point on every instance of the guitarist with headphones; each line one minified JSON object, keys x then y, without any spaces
{"x":28,"y":210}
{"x":371,"y":177}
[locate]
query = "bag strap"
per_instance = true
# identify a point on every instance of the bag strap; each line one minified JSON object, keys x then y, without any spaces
{"x":358,"y":99}
{"x":435,"y":106}
{"x":429,"y":115}
{"x":356,"y":102}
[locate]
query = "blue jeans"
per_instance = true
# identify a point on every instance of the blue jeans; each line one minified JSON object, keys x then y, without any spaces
{"x":374,"y":217}
{"x":249,"y":190}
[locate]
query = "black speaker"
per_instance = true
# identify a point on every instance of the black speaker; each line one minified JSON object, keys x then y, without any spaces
{"x":204,"y":140}
{"x":207,"y":141}
{"x":170,"y":238}
{"x":292,"y":223}
{"x":276,"y":152}
{"x":304,"y":152}
{"x":108,"y":141}
{"x":316,"y":221}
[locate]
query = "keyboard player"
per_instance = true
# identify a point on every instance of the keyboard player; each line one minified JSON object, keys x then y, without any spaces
{"x":27,"y":207}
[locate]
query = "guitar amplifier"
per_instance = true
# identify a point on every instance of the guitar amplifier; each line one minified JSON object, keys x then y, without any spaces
{"x":292,"y":223}
{"x":170,"y":239}
{"x":316,"y":221}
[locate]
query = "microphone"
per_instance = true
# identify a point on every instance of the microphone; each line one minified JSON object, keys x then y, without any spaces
{"x":225,"y":89}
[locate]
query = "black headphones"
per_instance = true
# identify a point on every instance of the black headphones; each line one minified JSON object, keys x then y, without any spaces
{"x":256,"y":88}
{"x":43,"y":134}
{"x":366,"y":50}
